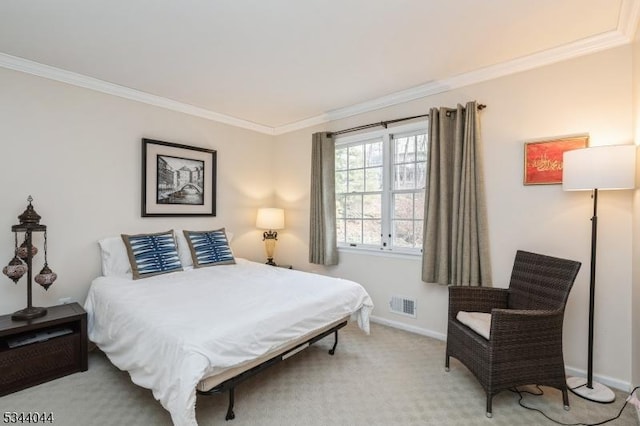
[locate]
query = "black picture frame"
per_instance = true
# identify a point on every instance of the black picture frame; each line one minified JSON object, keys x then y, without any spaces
{"x":177,"y":180}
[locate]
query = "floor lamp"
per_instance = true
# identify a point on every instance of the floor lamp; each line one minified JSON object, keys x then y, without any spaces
{"x":594,"y":169}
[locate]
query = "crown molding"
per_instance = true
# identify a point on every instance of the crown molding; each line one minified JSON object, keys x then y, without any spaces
{"x":69,"y":77}
{"x":625,"y":32}
{"x":629,"y":18}
{"x":573,"y":50}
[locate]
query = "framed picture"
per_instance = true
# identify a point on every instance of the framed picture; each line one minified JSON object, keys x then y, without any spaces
{"x":543,"y":159}
{"x":177,"y":180}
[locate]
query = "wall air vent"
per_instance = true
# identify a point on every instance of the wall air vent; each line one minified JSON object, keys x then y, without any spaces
{"x":403,"y":306}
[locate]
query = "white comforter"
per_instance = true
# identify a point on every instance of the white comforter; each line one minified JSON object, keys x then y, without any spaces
{"x":172,"y":330}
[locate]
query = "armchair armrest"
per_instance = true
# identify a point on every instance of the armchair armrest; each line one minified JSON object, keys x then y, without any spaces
{"x":526,"y":328}
{"x":476,"y":299}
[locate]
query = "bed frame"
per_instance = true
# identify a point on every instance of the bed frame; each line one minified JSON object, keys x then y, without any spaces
{"x":230,"y":384}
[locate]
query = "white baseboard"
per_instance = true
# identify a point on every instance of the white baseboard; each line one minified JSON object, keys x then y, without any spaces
{"x":410,"y":328}
{"x":571,"y":371}
{"x":605,"y":380}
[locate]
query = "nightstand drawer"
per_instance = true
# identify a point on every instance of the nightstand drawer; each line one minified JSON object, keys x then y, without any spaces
{"x":42,"y":349}
{"x":36,"y":363}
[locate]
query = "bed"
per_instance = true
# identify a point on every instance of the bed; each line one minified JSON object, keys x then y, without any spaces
{"x":206,"y":329}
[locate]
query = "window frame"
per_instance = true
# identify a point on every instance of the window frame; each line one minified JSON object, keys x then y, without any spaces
{"x":386,"y":136}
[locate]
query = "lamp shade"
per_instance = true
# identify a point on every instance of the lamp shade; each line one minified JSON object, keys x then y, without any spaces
{"x":270,"y":218}
{"x":601,"y":167}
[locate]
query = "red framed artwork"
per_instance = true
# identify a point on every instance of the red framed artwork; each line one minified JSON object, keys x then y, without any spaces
{"x":543,"y":159}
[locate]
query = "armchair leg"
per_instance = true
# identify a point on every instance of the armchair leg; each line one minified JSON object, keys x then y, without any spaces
{"x":565,"y":399}
{"x":446,"y":363}
{"x":489,"y":413}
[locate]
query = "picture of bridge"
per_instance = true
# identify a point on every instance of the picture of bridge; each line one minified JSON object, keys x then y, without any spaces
{"x":180,"y":181}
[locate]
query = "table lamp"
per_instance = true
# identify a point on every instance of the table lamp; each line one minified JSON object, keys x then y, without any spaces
{"x":270,"y":219}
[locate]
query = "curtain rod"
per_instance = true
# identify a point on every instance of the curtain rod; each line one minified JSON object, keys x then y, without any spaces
{"x":386,"y":123}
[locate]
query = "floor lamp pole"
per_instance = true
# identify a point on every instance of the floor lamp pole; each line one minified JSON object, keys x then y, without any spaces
{"x":589,"y":389}
{"x":592,"y":286}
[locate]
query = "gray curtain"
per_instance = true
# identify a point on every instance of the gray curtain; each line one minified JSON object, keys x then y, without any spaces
{"x":323,"y":249}
{"x":456,"y":246}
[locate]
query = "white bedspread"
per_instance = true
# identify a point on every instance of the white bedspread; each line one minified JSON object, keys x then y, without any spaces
{"x":172,"y":330}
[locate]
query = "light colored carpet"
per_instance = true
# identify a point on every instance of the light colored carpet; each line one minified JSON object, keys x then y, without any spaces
{"x":388,"y":378}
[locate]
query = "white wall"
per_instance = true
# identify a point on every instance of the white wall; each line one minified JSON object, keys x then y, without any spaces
{"x":635,"y":302}
{"x":591,"y":95}
{"x":78,"y":153}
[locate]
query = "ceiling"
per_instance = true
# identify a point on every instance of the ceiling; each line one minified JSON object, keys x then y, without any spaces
{"x":278,"y":65}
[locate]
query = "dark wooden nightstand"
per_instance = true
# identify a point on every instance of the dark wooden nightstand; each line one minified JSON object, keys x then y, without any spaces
{"x":46,"y":357}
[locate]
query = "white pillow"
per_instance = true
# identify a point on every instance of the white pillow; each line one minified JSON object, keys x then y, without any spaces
{"x":184,"y":251}
{"x":115,"y":260}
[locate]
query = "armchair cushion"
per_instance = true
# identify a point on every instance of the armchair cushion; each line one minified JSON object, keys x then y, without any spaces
{"x":480,"y":322}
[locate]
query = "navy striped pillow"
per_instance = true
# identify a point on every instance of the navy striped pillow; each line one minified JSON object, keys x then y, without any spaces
{"x":209,"y":248}
{"x":152,"y":254}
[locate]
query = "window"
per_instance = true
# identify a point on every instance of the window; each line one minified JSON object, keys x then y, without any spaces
{"x":380,"y":184}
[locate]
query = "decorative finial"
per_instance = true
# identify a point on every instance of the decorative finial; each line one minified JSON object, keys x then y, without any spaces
{"x":29,"y":216}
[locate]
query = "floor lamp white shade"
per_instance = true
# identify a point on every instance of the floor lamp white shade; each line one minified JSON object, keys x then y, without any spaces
{"x":602,"y":167}
{"x":594,"y":169}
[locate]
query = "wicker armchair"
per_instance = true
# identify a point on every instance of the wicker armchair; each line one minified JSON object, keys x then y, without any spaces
{"x":525,"y":341}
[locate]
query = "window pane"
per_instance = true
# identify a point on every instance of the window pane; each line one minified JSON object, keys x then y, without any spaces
{"x":341,"y":207}
{"x":418,"y":233}
{"x":354,"y":206}
{"x":356,"y":180}
{"x":354,"y":231}
{"x":372,"y":232}
{"x":404,"y":176}
{"x":374,"y":154}
{"x":341,"y":182}
{"x":340,"y":231}
{"x":403,"y":233}
{"x":374,"y":179}
{"x":405,"y":150}
{"x":372,"y":206}
{"x":421,"y":141}
{"x":341,"y":158}
{"x":356,"y":156}
{"x":418,"y":206}
{"x":421,"y":174}
{"x":403,"y":206}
